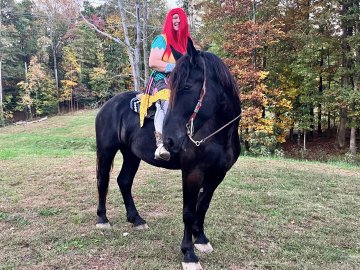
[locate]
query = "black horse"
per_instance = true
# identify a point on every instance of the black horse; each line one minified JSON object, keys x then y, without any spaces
{"x":200,"y":131}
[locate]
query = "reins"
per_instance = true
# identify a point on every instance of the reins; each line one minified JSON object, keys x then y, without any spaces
{"x":190,"y":123}
{"x":197,"y":143}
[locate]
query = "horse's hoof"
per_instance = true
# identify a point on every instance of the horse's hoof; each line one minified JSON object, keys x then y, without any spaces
{"x":191,"y":266}
{"x":204,"y":248}
{"x":103,"y":226}
{"x":141,"y":227}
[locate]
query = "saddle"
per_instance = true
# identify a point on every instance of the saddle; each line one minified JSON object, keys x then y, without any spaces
{"x":144,"y":104}
{"x":135,"y":104}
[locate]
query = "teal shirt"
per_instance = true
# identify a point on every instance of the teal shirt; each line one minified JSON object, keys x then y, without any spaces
{"x":158,"y":42}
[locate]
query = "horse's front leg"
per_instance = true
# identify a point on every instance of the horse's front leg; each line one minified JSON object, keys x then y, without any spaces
{"x":211,"y":181}
{"x":191,"y":185}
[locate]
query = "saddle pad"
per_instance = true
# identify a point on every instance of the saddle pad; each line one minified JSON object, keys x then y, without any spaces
{"x":135,"y":106}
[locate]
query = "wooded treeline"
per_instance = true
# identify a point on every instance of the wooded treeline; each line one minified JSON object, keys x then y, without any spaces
{"x":296,"y":62}
{"x":58,"y":56}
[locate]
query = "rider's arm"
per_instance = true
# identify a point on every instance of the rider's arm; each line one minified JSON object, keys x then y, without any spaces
{"x":158,"y":48}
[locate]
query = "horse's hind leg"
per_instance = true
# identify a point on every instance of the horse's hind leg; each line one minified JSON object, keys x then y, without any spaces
{"x":125,"y":182}
{"x":210,"y":183}
{"x":104,"y":163}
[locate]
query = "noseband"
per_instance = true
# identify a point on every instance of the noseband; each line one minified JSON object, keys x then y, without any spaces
{"x":190,"y":123}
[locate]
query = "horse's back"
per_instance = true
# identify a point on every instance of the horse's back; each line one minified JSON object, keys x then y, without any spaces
{"x":118,"y":127}
{"x":116,"y":105}
{"x":110,"y":119}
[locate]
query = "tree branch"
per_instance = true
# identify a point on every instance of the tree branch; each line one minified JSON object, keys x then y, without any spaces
{"x":92,"y":26}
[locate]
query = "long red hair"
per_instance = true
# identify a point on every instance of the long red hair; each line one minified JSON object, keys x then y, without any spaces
{"x":177,"y":39}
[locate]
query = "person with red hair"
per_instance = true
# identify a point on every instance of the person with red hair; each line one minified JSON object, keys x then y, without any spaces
{"x":162,"y":62}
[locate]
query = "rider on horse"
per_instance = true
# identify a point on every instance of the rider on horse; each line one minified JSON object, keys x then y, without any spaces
{"x":162,"y":62}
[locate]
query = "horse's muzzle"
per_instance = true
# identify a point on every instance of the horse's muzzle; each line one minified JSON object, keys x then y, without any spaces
{"x":173,"y":145}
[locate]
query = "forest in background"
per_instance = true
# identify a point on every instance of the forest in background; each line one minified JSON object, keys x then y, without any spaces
{"x":296,"y":62}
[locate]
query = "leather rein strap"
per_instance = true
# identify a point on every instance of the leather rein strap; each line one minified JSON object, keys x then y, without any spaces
{"x":190,"y":123}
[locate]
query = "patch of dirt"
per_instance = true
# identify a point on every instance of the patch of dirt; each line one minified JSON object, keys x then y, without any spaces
{"x":321,"y":148}
{"x":158,"y":210}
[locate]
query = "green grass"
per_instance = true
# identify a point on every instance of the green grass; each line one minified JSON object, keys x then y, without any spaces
{"x":14,"y":219}
{"x":47,"y":212}
{"x":267,"y":214}
{"x":60,"y":136}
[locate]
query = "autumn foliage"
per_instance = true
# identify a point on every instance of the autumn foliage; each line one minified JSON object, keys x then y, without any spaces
{"x":245,"y":46}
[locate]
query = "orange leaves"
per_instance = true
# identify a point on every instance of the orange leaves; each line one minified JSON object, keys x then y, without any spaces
{"x":246,"y":41}
{"x":246,"y":36}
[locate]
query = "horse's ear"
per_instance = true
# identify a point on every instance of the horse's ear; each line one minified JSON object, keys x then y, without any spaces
{"x":177,"y":55}
{"x":191,"y":51}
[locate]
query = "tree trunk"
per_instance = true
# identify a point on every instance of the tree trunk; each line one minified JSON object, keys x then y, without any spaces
{"x":53,"y":47}
{"x":133,"y":53}
{"x":145,"y":43}
{"x":2,"y":118}
{"x":353,"y":141}
{"x":356,"y":80}
{"x":129,"y":49}
{"x":188,"y":6}
{"x":137,"y":45}
{"x":341,"y":131}
{"x":319,"y":128}
{"x":312,"y":121}
{"x":347,"y":31}
{"x":246,"y":142}
{"x":254,"y":52}
{"x":328,"y":89}
{"x":26,"y":71}
{"x":304,"y":143}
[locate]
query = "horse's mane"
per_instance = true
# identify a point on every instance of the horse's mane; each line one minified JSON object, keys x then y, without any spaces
{"x":220,"y":72}
{"x":215,"y":70}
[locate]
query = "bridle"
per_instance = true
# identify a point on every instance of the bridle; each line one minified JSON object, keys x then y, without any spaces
{"x":190,"y":123}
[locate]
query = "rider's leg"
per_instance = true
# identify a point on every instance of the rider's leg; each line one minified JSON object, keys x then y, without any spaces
{"x":161,"y":109}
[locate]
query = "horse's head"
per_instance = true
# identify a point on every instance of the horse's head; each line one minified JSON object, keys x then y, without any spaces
{"x":203,"y":97}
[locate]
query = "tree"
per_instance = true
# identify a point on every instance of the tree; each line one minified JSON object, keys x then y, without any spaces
{"x":28,"y":29}
{"x":59,"y":15}
{"x":133,"y":20}
{"x":243,"y":51}
{"x":133,"y":52}
{"x":38,"y":92}
{"x":349,"y":73}
{"x":72,"y":70}
{"x":8,"y":50}
{"x":354,"y":43}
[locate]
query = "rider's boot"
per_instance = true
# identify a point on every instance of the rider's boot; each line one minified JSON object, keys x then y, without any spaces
{"x":161,"y":152}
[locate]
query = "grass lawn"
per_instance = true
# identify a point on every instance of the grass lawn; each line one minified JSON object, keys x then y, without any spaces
{"x":267,"y":214}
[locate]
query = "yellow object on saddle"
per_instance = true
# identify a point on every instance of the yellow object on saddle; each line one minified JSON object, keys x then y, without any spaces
{"x":148,"y":100}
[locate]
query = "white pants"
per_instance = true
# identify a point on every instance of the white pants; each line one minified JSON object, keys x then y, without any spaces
{"x":161,"y":109}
